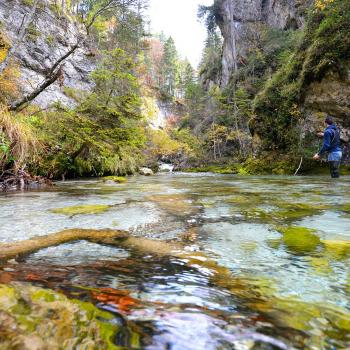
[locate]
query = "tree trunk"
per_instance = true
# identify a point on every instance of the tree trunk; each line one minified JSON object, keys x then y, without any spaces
{"x":54,"y":73}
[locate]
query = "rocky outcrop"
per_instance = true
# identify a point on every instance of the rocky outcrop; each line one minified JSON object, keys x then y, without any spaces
{"x":48,"y":37}
{"x":240,"y":21}
{"x":331,"y":95}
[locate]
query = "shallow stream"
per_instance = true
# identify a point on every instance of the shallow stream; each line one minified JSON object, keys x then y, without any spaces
{"x":285,"y":241}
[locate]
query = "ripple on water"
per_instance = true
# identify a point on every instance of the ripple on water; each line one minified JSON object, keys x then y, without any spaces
{"x":77,"y":253}
{"x":179,"y":307}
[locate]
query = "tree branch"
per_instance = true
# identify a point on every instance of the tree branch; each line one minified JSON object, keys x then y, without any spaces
{"x":53,"y":74}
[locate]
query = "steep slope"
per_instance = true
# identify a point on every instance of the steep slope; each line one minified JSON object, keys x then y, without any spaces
{"x":309,"y":80}
{"x":49,"y":36}
{"x":239,"y":22}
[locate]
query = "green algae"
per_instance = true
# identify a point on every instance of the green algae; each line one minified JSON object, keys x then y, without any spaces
{"x":82,"y":209}
{"x":296,"y":211}
{"x":336,"y":249}
{"x":283,"y":213}
{"x":216,"y":169}
{"x":116,"y":179}
{"x":53,"y":321}
{"x":241,"y":200}
{"x":321,"y":265}
{"x":175,"y":204}
{"x":249,"y":246}
{"x":299,"y":239}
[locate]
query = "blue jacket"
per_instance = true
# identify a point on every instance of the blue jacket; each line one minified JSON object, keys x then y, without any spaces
{"x":331,"y":140}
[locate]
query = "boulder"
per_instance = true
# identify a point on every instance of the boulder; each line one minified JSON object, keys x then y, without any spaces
{"x":146,"y":171}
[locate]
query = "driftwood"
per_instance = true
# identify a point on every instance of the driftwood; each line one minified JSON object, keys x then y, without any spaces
{"x":15,"y":249}
{"x":108,"y":237}
{"x":20,"y":180}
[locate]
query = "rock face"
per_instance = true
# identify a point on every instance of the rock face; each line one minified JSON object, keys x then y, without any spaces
{"x":239,"y":22}
{"x":48,"y":37}
{"x":329,"y":96}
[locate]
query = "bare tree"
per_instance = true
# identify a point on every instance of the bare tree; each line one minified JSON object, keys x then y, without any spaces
{"x":22,"y":32}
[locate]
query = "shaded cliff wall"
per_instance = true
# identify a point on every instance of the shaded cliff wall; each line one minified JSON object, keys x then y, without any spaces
{"x":48,"y":37}
{"x":239,"y":22}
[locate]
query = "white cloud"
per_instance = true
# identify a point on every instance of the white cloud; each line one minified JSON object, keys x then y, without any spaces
{"x":178,"y":18}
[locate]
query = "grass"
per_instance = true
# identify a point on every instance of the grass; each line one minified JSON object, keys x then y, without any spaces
{"x":18,"y":142}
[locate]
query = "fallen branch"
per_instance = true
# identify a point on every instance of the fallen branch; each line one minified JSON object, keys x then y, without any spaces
{"x":11,"y":179}
{"x":301,"y":162}
{"x":108,"y":237}
{"x":15,"y":249}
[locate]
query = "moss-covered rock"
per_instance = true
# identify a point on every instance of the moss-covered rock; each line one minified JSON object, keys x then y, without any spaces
{"x":117,"y":179}
{"x":338,"y":249}
{"x":36,"y":318}
{"x":299,"y":239}
{"x":82,"y":209}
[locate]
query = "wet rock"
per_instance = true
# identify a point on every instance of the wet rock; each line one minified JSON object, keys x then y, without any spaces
{"x":38,"y":319}
{"x":114,"y":179}
{"x":146,"y":171}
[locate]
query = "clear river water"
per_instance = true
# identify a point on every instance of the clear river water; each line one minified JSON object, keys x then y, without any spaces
{"x":274,"y":258}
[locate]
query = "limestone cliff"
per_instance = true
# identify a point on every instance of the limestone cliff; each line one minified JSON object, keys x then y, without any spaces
{"x":48,"y":37}
{"x":239,"y":22}
{"x":292,"y":99}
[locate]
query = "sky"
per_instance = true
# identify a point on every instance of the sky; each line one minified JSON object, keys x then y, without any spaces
{"x":178,"y":18}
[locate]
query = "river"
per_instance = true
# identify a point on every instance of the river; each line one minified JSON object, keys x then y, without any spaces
{"x":285,"y":241}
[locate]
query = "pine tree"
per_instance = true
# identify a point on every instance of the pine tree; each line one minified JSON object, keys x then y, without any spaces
{"x":170,"y":68}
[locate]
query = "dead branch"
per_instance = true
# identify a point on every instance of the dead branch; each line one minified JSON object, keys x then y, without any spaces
{"x":53,"y":74}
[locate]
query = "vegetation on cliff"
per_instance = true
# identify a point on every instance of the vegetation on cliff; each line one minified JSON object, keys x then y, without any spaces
{"x":323,"y":47}
{"x":260,"y":115}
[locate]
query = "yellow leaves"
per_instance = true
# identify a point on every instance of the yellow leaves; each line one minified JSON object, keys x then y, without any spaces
{"x":4,"y":47}
{"x":163,"y":144}
{"x":322,"y":4}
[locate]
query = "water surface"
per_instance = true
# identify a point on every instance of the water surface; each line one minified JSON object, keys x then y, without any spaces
{"x":281,"y":295}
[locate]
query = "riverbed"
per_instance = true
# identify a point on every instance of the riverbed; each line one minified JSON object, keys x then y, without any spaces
{"x":285,"y":241}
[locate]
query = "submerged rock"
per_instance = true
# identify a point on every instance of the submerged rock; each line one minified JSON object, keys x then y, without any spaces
{"x":300,"y":239}
{"x":35,"y":318}
{"x":115,"y":179}
{"x":82,"y":209}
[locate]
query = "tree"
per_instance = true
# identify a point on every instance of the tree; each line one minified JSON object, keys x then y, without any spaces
{"x":170,"y":68}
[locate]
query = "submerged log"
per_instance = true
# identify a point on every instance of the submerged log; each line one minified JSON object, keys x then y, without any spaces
{"x":15,"y":249}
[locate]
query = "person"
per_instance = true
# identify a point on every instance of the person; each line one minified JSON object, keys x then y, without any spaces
{"x":331,"y":145}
